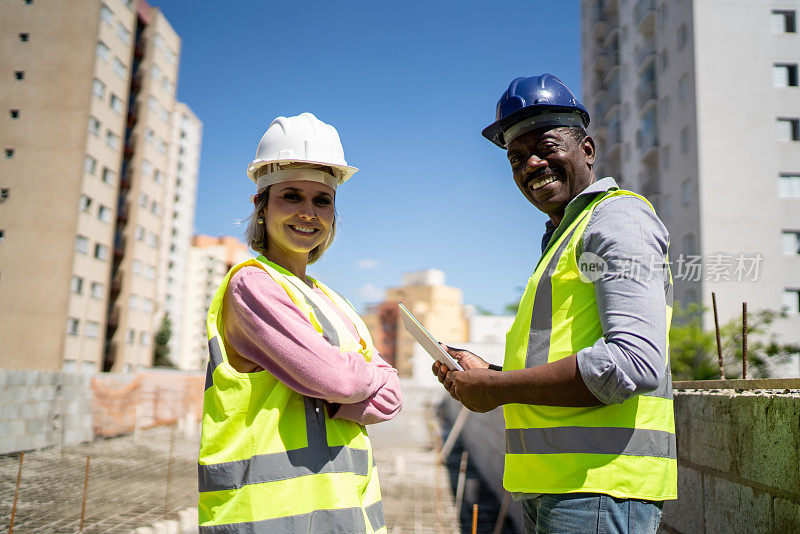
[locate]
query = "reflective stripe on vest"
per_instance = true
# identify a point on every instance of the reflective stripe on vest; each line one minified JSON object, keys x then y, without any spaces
{"x":565,"y":449}
{"x":337,"y":521}
{"x":221,"y":481}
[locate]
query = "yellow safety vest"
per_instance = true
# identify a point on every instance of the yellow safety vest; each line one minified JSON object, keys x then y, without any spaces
{"x":625,"y":450}
{"x":272,"y":460}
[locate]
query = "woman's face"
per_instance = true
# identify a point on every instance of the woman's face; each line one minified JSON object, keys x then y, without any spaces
{"x":298,"y":217}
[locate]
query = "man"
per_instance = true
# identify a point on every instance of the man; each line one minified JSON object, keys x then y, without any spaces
{"x":585,"y":386}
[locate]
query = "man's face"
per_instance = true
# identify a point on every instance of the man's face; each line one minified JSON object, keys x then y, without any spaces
{"x":550,"y":167}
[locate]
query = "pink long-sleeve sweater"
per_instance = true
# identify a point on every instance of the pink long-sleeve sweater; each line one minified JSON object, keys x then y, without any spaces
{"x":263,"y":325}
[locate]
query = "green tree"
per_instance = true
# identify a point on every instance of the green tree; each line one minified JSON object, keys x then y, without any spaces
{"x":693,"y":351}
{"x":161,"y":344}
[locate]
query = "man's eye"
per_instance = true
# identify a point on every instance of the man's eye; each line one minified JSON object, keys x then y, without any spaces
{"x":323,"y":201}
{"x":292,"y":197}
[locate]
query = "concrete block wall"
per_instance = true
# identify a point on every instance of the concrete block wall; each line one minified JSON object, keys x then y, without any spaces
{"x":43,"y":408}
{"x":738,"y":463}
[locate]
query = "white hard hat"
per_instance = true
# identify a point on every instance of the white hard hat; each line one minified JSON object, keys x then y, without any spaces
{"x":300,"y":139}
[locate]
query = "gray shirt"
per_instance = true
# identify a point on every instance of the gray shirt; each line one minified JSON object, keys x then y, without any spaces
{"x":632,"y":293}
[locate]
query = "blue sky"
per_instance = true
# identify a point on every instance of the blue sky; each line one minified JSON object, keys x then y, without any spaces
{"x":409,"y":86}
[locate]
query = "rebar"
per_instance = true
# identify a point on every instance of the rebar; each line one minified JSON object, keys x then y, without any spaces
{"x":85,"y":488}
{"x":744,"y":340}
{"x":716,"y":329}
{"x":474,"y":519}
{"x":462,"y":479}
{"x":16,"y":493}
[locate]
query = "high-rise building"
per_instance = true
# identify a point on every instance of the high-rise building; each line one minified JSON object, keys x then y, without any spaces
{"x":184,"y":162}
{"x":437,"y":306}
{"x":696,"y":105}
{"x":208,"y":260}
{"x":87,"y":89}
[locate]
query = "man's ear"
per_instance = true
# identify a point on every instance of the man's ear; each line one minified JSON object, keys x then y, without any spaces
{"x":589,"y":150}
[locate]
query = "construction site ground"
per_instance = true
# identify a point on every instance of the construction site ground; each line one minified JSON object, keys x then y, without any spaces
{"x":135,"y":481}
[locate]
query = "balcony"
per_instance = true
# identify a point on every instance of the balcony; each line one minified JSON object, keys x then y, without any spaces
{"x":119,"y":246}
{"x":116,"y":284}
{"x":644,"y":55}
{"x":645,"y":93}
{"x":123,"y":209}
{"x":644,"y":16}
{"x":647,"y":144}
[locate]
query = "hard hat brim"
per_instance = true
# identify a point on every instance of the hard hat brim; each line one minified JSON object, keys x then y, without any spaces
{"x":346,"y":170}
{"x":494,"y":132}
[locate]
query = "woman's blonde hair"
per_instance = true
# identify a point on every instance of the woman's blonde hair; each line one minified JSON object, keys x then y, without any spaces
{"x":255,"y":234}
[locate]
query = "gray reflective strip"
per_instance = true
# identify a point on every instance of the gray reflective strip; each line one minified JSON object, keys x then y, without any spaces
{"x":542,"y":317}
{"x":295,"y":463}
{"x":341,"y":521}
{"x":214,"y":359}
{"x":375,"y":515}
{"x":315,"y":423}
{"x":328,"y":331}
{"x":589,"y":440}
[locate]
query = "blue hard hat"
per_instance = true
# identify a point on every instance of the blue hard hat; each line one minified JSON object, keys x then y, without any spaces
{"x":526,"y":98}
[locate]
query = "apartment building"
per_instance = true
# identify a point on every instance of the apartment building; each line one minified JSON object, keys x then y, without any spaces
{"x":181,"y":193}
{"x":437,"y":306}
{"x":87,"y":89}
{"x":696,"y":105}
{"x":208,"y":260}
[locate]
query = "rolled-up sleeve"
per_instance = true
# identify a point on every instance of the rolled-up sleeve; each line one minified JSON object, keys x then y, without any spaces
{"x":631,"y":357}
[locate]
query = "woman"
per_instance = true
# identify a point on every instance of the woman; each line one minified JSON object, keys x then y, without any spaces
{"x":293,"y":376}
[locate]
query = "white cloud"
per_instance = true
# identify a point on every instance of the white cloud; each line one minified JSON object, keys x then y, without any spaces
{"x":369,"y":292}
{"x":367,"y":264}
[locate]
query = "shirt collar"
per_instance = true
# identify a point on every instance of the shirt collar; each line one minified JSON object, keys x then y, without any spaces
{"x":600,"y":186}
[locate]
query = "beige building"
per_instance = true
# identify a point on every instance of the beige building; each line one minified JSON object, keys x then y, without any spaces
{"x":88,"y":94}
{"x":437,"y":306}
{"x":696,"y":105}
{"x":208,"y":260}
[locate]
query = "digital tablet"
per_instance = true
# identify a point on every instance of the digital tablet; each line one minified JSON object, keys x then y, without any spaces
{"x":424,"y":338}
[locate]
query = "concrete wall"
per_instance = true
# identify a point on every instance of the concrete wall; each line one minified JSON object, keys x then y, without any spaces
{"x":738,"y":461}
{"x":42,"y":409}
{"x":484,"y":437}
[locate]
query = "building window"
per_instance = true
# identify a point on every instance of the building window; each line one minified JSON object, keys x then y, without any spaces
{"x":14,"y":113}
{"x":789,"y":186}
{"x":784,"y":74}
{"x":136,"y":267}
{"x":682,"y":36}
{"x":133,"y":301}
{"x":686,"y":192}
{"x":666,"y":207}
{"x":82,"y":244}
{"x":791,"y":301}
{"x":107,"y":15}
{"x":150,"y":272}
{"x":99,"y":88}
{"x":155,"y":208}
{"x":112,"y":139}
{"x":92,"y":329}
{"x":155,"y":72}
{"x":689,"y":244}
{"x":94,"y":126}
{"x":84,"y":203}
{"x":663,"y":60}
{"x":120,"y":68}
{"x":139,"y":233}
{"x":142,"y":200}
{"x":683,"y":86}
{"x":662,"y":13}
{"x":116,"y":103}
{"x":104,"y":213}
{"x":76,"y":285}
{"x":72,"y":326}
{"x":162,"y":146}
{"x":9,"y":153}
{"x":123,"y":33}
{"x":89,"y":164}
{"x":101,"y":252}
{"x":24,"y":37}
{"x":684,"y":138}
{"x":665,"y":156}
{"x":788,"y":129}
{"x":790,"y":242}
{"x":102,"y":51}
{"x":783,"y":21}
{"x":97,"y":290}
{"x":144,"y":339}
{"x":19,"y":74}
{"x":109,"y":176}
{"x":4,"y":192}
{"x":130,"y":338}
{"x":147,"y":167}
{"x":152,"y":239}
{"x":150,"y":135}
{"x":158,"y":176}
